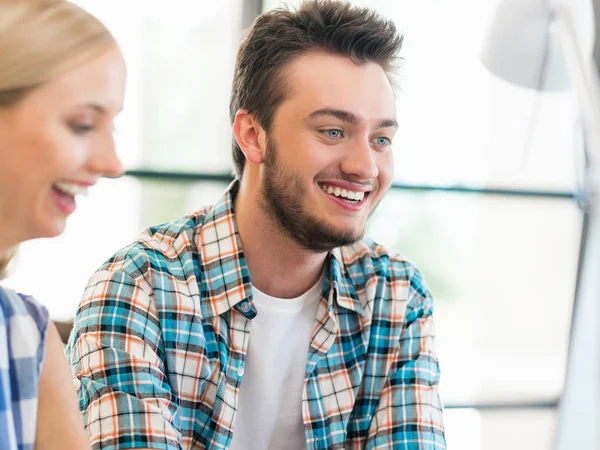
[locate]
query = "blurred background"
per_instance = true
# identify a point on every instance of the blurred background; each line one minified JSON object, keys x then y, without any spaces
{"x":483,"y":200}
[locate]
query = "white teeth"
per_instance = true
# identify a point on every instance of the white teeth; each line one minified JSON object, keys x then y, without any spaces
{"x":71,"y":189}
{"x":343,"y":193}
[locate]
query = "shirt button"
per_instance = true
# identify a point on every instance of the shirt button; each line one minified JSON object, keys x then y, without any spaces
{"x":245,"y":307}
{"x":240,"y":371}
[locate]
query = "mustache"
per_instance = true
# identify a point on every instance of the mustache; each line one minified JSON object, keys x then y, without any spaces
{"x":347,"y":178}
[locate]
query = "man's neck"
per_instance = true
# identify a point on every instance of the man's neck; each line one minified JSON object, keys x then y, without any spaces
{"x":278,"y":266}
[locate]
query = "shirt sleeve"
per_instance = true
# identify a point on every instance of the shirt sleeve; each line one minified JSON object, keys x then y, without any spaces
{"x":409,"y":413}
{"x":117,"y":356}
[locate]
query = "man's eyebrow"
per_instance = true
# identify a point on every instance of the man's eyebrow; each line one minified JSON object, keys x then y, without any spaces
{"x":388,"y":123}
{"x":344,"y":116}
{"x":350,"y":118}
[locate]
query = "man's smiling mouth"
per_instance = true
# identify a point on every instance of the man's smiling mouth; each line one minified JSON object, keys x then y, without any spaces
{"x":347,"y":195}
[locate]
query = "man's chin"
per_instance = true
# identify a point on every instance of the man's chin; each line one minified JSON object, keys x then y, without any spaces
{"x":329,"y":238}
{"x":349,"y":235}
{"x":348,"y":231}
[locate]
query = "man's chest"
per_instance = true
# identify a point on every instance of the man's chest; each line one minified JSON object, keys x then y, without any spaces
{"x":345,"y":367}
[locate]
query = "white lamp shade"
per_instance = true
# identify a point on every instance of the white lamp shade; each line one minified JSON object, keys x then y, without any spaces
{"x":522,"y":48}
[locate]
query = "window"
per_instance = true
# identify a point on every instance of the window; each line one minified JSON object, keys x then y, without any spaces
{"x":501,"y":267}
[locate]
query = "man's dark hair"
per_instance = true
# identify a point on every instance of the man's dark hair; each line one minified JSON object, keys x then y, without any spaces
{"x":280,"y":35}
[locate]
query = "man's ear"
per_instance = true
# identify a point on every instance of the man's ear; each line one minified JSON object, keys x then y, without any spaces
{"x":250,"y":136}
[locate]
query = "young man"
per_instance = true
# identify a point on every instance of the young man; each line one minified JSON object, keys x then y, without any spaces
{"x":264,"y":321}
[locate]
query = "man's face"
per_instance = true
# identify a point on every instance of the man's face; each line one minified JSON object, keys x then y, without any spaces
{"x":329,"y":159}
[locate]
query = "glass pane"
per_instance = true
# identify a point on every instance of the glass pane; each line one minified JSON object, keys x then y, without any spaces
{"x":469,"y":429}
{"x":458,"y":123}
{"x":502,"y":272}
{"x":164,"y":201}
{"x":180,"y":60}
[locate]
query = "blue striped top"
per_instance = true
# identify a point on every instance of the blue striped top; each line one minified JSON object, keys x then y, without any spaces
{"x":23,"y":325}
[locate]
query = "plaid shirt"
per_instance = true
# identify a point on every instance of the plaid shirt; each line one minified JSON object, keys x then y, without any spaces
{"x":23,"y":325}
{"x":161,"y":334}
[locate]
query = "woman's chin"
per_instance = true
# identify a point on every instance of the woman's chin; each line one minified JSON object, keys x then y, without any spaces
{"x":51,"y":228}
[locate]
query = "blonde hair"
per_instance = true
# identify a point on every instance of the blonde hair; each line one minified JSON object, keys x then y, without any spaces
{"x":40,"y":39}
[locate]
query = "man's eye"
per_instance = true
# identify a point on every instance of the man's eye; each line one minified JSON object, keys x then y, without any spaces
{"x":333,"y":133}
{"x":383,"y":141}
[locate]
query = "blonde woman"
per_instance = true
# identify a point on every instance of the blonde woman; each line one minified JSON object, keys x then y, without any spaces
{"x":61,"y":84}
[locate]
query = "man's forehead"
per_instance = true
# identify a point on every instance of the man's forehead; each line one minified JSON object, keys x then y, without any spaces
{"x":318,"y":80}
{"x":323,"y":66}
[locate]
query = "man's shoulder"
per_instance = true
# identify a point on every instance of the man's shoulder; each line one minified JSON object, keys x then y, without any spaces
{"x":367,"y":261}
{"x":369,"y":256}
{"x":161,"y":247}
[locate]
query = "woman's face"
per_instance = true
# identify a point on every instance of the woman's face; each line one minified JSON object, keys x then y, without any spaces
{"x":55,"y":143}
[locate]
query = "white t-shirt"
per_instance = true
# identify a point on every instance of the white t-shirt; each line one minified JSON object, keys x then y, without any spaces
{"x":269,"y":415}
